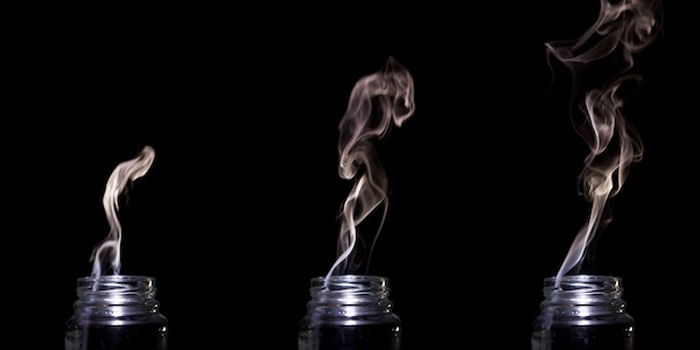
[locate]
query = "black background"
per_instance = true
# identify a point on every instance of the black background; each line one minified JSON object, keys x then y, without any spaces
{"x":239,"y":209}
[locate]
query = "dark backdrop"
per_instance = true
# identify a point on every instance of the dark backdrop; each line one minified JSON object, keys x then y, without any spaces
{"x":239,"y":209}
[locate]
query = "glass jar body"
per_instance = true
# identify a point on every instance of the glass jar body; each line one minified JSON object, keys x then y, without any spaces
{"x":350,"y":312}
{"x":116,"y":313}
{"x":585,"y":312}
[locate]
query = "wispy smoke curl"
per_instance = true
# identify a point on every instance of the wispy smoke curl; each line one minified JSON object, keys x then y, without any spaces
{"x":121,"y":176}
{"x":627,"y":27}
{"x":377,"y":101}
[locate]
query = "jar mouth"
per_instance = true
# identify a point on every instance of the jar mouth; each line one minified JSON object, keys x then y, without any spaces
{"x":349,"y":284}
{"x":350,"y":281}
{"x":583,"y":285}
{"x":116,"y":278}
{"x":584,"y":278}
{"x":350,"y":278}
{"x":116,"y":284}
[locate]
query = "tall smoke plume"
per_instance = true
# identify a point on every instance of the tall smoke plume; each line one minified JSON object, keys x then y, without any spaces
{"x":122,"y":175}
{"x":623,"y":28}
{"x":377,"y":101}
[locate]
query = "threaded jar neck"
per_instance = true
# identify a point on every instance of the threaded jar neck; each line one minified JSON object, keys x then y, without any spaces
{"x":584,"y":295}
{"x":350,"y":295}
{"x":116,"y":295}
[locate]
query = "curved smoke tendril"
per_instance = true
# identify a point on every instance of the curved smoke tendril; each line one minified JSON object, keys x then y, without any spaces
{"x":625,"y":27}
{"x":377,"y":101}
{"x":121,"y":176}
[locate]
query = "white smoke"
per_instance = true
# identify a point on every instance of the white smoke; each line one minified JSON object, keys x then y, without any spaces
{"x":627,"y":27}
{"x":123,"y":174}
{"x":377,"y":101}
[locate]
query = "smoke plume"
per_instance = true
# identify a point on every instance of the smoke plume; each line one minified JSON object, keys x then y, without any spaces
{"x":622,"y":28}
{"x":121,"y":176}
{"x":377,"y":101}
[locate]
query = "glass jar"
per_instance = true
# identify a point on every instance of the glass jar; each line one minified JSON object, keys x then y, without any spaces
{"x":116,"y":312}
{"x":586,"y":312}
{"x":350,"y":312}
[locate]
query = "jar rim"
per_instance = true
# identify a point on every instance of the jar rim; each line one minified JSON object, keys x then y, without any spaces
{"x":583,"y":286}
{"x":584,"y":278}
{"x":339,"y":285}
{"x":116,"y":285}
{"x":350,"y":278}
{"x":117,"y":278}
